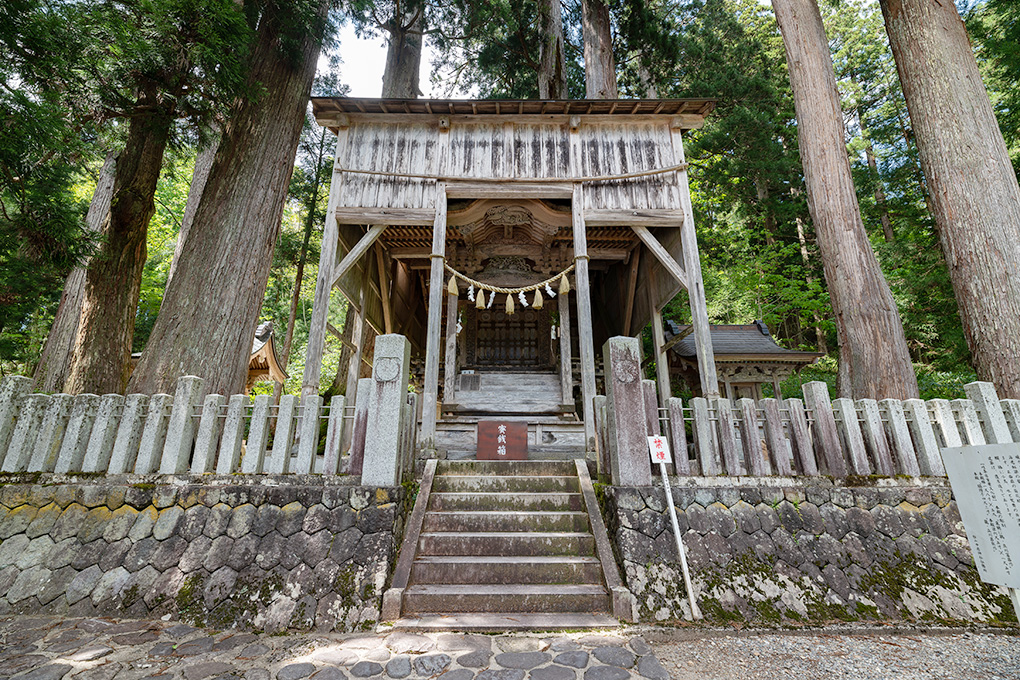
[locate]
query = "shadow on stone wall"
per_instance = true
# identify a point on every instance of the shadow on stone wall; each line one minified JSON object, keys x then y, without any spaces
{"x":805,"y":553}
{"x":265,"y":553}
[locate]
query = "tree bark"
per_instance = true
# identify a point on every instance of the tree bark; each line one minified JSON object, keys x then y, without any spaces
{"x":203,"y":164}
{"x":552,"y":67}
{"x":403,"y":53}
{"x":211,"y":308}
{"x":973,"y":188}
{"x":102,"y":348}
{"x":874,"y":361}
{"x":55,"y":360}
{"x":599,"y":63}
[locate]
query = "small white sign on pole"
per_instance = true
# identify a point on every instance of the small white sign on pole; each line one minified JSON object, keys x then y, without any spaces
{"x":659,"y":448}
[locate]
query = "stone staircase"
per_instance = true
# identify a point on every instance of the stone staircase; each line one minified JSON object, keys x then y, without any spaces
{"x":498,"y":545}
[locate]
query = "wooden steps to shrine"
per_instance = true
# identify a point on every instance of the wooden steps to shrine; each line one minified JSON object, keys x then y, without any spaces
{"x":493,"y":541}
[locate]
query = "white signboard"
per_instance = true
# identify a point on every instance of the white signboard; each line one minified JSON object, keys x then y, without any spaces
{"x":986,"y":484}
{"x":659,"y":448}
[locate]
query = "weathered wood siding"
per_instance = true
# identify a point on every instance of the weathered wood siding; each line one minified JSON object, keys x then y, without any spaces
{"x":506,"y":150}
{"x":619,"y":148}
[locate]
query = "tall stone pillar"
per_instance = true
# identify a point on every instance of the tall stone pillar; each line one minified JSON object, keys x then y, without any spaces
{"x":625,"y":413}
{"x":386,"y":413}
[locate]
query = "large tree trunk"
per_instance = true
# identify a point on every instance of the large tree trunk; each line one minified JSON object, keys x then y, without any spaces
{"x":873,"y":357}
{"x":973,"y":188}
{"x":552,"y":66}
{"x":203,"y":164}
{"x":403,"y":55}
{"x":211,"y":308}
{"x":55,"y":360}
{"x":599,"y":64}
{"x":102,"y":347}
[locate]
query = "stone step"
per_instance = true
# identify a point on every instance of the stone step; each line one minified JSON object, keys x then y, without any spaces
{"x":500,"y":569}
{"x":450,"y":502}
{"x":498,"y":623}
{"x":506,"y":598}
{"x":519,"y":543}
{"x":505,"y":520}
{"x":514,"y":468}
{"x":505,"y":484}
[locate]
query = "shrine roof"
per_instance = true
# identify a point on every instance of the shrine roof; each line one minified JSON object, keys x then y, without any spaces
{"x":323,"y":107}
{"x":733,"y":342}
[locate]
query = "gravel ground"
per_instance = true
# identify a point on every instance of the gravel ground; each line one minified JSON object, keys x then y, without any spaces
{"x":837,"y":656}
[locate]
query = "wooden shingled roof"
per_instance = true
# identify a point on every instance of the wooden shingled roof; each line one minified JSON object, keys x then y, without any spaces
{"x":745,"y":341}
{"x":324,"y":106}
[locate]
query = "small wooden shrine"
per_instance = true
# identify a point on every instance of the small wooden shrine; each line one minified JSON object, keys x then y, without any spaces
{"x":508,"y":240}
{"x":746,"y":358}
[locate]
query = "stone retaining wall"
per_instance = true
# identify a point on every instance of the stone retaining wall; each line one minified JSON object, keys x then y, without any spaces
{"x":783,"y":551}
{"x":266,"y":553}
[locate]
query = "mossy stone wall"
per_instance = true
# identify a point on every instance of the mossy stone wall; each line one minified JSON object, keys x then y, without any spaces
{"x":814,"y":551}
{"x":262,"y":552}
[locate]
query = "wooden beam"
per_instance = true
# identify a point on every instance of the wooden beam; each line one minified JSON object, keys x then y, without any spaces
{"x":677,"y":338}
{"x":406,"y":217}
{"x":384,"y":288}
{"x":586,"y":339}
{"x":661,"y":358}
{"x":696,"y":287}
{"x":661,"y":254}
{"x":323,"y":283}
{"x":435,"y":308}
{"x":359,"y":249}
{"x":626,"y":218}
{"x":461,"y":189}
{"x":450,"y":366}
{"x":566,"y":356}
{"x":628,"y":315}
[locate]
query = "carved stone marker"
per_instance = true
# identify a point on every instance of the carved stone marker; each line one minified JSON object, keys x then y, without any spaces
{"x":386,"y":398}
{"x":625,"y":413}
{"x":501,"y":440}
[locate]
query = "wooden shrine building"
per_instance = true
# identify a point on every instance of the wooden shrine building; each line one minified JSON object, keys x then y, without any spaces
{"x":440,"y":210}
{"x":746,"y":358}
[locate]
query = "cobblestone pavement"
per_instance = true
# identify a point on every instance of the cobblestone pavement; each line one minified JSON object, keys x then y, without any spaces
{"x":51,"y":648}
{"x":837,"y":655}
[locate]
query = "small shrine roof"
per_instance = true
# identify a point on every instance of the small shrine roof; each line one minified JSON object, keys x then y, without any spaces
{"x":732,"y":342}
{"x":324,"y":106}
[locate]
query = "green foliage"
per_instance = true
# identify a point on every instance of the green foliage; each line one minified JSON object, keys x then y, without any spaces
{"x":994,"y":25}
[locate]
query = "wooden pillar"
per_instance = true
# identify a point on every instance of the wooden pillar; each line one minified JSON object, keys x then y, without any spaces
{"x":776,"y":387}
{"x":566,"y":353}
{"x":436,"y":288}
{"x":358,"y":332}
{"x":586,"y":344}
{"x":696,"y":285}
{"x":661,"y":358}
{"x":324,"y":281}
{"x":450,"y":367}
{"x":384,"y":288}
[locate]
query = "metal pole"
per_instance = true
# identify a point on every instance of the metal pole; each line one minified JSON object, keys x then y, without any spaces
{"x":695,"y":611}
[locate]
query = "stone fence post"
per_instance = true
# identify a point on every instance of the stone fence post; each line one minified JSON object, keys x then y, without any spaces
{"x":625,"y":413}
{"x":387,"y":396}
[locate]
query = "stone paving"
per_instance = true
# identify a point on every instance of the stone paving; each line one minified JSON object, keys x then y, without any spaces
{"x":51,"y":648}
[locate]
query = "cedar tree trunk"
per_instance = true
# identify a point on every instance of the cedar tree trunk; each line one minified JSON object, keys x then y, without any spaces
{"x":599,"y":64}
{"x":210,"y":311}
{"x":403,"y":54}
{"x":55,"y":360}
{"x":203,"y":164}
{"x":552,"y":67}
{"x":972,"y":185}
{"x":873,"y":357}
{"x":102,"y":347}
